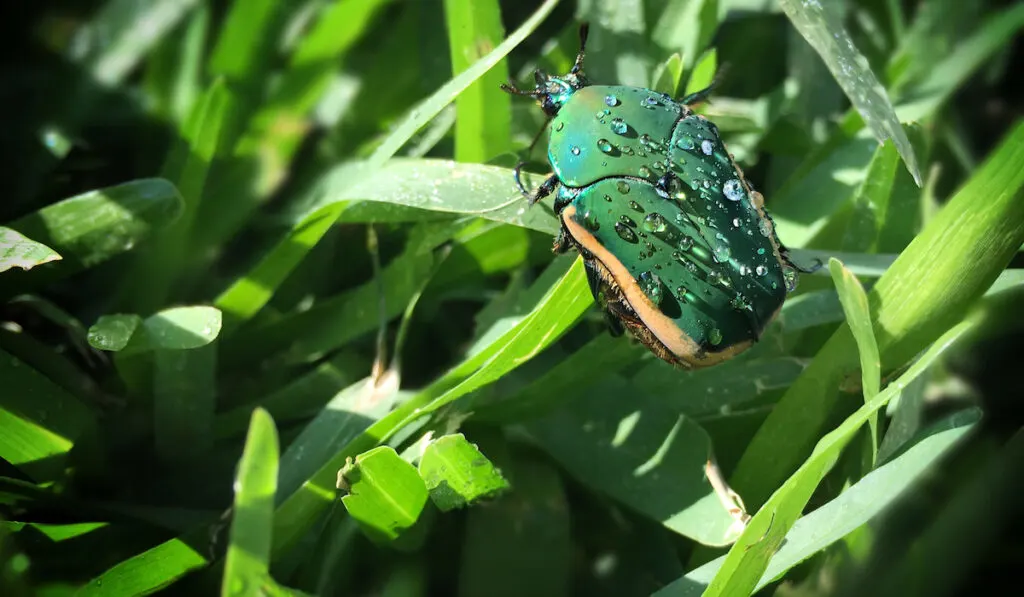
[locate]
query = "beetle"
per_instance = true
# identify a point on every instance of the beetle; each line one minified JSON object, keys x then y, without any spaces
{"x":677,"y":245}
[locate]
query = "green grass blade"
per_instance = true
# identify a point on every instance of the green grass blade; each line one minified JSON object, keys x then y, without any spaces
{"x":457,"y":474}
{"x":248,"y":559}
{"x":930,"y":286}
{"x":852,"y":509}
{"x":246,"y":41}
{"x":244,"y":299}
{"x":520,"y":544}
{"x":151,"y":570}
{"x":749,"y":556}
{"x":858,"y":318}
{"x":652,"y":458}
{"x":160,"y":263}
{"x":687,"y":27}
{"x":385,"y":494}
{"x":824,"y":31}
{"x":91,"y":228}
{"x":553,"y":316}
{"x":870,"y":201}
{"x":40,"y":421}
{"x":123,"y":32}
{"x":24,"y":253}
{"x":432,"y":106}
{"x":184,"y":400}
{"x":437,"y":185}
{"x":483,"y":111}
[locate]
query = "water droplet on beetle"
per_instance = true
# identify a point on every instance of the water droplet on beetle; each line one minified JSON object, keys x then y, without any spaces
{"x":649,"y":102}
{"x":644,"y":172}
{"x":744,"y":270}
{"x":628,"y":221}
{"x":722,"y":253}
{"x":764,"y":227}
{"x":645,"y":139}
{"x":655,"y":222}
{"x":608,"y":198}
{"x":575,"y":150}
{"x":707,"y":147}
{"x":715,"y":336}
{"x":611,"y":100}
{"x":760,"y":270}
{"x":605,"y":146}
{"x":685,"y":143}
{"x":686,"y":243}
{"x":626,"y":233}
{"x":619,"y":126}
{"x":760,"y":251}
{"x":650,"y":284}
{"x":735,"y":222}
{"x":636,"y":206}
{"x":622,"y":186}
{"x":733,"y":190}
{"x":559,"y":126}
{"x":590,"y":221}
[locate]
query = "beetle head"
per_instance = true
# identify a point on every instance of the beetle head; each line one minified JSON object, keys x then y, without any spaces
{"x":552,"y":91}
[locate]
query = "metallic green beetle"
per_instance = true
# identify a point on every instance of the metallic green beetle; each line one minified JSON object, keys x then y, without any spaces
{"x":677,"y":245}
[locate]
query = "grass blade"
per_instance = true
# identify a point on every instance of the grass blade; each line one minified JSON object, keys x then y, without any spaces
{"x":824,"y":31}
{"x":930,"y":286}
{"x":483,"y":110}
{"x":248,"y":559}
{"x":457,"y":474}
{"x":749,"y":556}
{"x":18,"y":251}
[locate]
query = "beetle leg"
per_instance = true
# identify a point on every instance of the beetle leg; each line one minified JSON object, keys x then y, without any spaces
{"x":546,"y":188}
{"x":561,"y":242}
{"x":697,"y":97}
{"x":818,"y":264}
{"x":599,"y":289}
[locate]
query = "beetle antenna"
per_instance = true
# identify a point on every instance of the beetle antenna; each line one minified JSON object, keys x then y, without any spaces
{"x":584,"y":33}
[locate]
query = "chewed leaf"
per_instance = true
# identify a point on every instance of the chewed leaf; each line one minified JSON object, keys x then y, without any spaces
{"x":19,"y":251}
{"x":826,"y":34}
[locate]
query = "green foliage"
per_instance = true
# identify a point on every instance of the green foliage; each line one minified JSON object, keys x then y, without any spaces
{"x":275,"y":319}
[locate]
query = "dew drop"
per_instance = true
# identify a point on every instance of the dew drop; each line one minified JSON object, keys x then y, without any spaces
{"x":760,"y":270}
{"x":650,"y":284}
{"x":608,"y":198}
{"x":622,"y":186}
{"x":707,"y":147}
{"x":626,"y":149}
{"x":655,"y":222}
{"x":559,"y":126}
{"x":575,"y":150}
{"x":619,"y":126}
{"x":644,"y":172}
{"x":686,"y":243}
{"x":649,"y":102}
{"x":760,"y":251}
{"x":611,"y":100}
{"x":636,"y":206}
{"x":628,"y":221}
{"x":764,"y":227}
{"x":605,"y":146}
{"x":645,"y":139}
{"x":715,"y":336}
{"x":626,"y":233}
{"x":733,"y":190}
{"x":735,"y":222}
{"x":744,"y":270}
{"x":722,"y":253}
{"x":685,"y":143}
{"x":590,"y":221}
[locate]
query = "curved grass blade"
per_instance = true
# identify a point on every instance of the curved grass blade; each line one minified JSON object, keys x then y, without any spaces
{"x":749,"y":556}
{"x":824,"y":31}
{"x":954,"y":260}
{"x":554,"y":314}
{"x":432,"y":106}
{"x":247,"y":562}
{"x":853,"y":508}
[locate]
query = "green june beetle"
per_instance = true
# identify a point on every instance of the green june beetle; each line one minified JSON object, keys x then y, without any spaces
{"x":677,"y":245}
